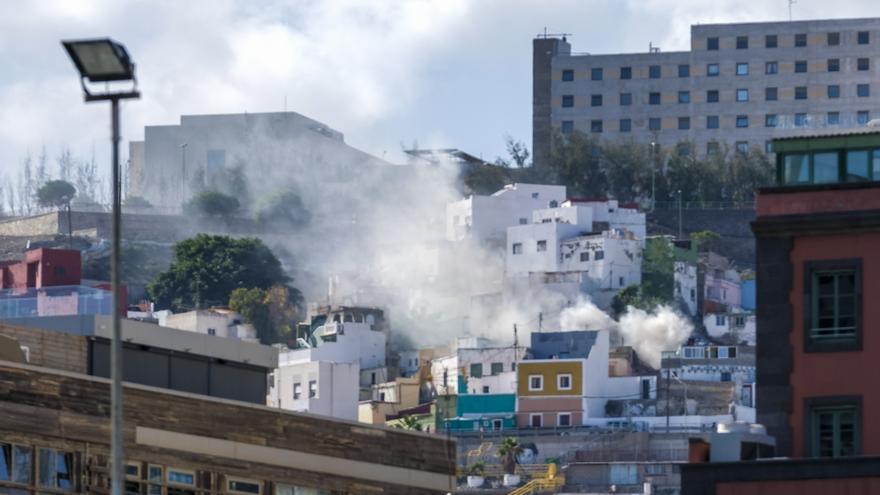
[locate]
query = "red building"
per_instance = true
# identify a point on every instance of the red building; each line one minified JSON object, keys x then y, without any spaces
{"x":42,"y":268}
{"x":818,"y":278}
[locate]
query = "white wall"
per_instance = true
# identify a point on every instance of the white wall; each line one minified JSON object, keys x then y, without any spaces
{"x":486,"y":218}
{"x":530,"y":259}
{"x":356,"y":342}
{"x":617,"y":218}
{"x":223,"y":324}
{"x":337,"y":388}
{"x":685,"y":280}
{"x":620,"y":267}
{"x":463,"y":358}
{"x":504,"y":383}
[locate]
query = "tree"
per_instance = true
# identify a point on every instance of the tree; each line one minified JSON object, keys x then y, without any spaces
{"x":574,"y":161}
{"x":517,"y":153}
{"x":55,"y":193}
{"x":136,"y":202}
{"x":627,"y":166}
{"x":251,"y":304}
{"x":284,"y":209}
{"x":704,"y":239}
{"x":212,"y":204}
{"x":207,"y":268}
{"x":508,"y":452}
{"x":272,"y":312}
{"x":410,"y":423}
{"x":657,"y":270}
{"x":485,"y":179}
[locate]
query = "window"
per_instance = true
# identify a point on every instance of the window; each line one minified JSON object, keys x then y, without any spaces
{"x":770,"y":120}
{"x":834,"y":431}
{"x":771,"y":68}
{"x":542,"y":246}
{"x":585,"y":256}
{"x":596,"y":100}
{"x":862,"y":117}
{"x":863,"y":90}
{"x":600,"y":255}
{"x":626,"y":99}
{"x":771,"y":94}
{"x":858,"y":167}
{"x":800,"y":93}
{"x":563,"y":419}
{"x":683,"y":149}
{"x":536,"y":383}
{"x":373,"y":378}
{"x":796,"y":169}
{"x":477,"y":370}
{"x":800,"y":120}
{"x":712,"y":122}
{"x":485,"y":389}
{"x":720,"y":320}
{"x":712,"y":43}
{"x":684,"y":96}
{"x":826,"y":168}
{"x":653,"y":98}
{"x":864,"y":37}
{"x":833,"y":39}
{"x":654,"y":71}
{"x":834,"y":91}
{"x":567,"y":101}
{"x":834,"y":300}
{"x":517,"y":248}
{"x":800,"y":40}
{"x":596,"y":73}
{"x":712,"y":148}
{"x":800,"y":66}
{"x":742,"y":121}
{"x":16,"y":463}
{"x":298,"y":490}
{"x":625,"y":125}
{"x":536,"y":420}
{"x":863,"y":64}
{"x":563,"y":381}
{"x":833,"y":118}
{"x":771,"y":41}
{"x":742,"y":42}
{"x":56,"y":470}
{"x":497,"y":368}
{"x":235,"y":485}
{"x":654,"y":124}
{"x":297,"y":391}
{"x":742,"y":147}
{"x":712,"y":70}
{"x":626,"y":72}
{"x":684,"y":123}
{"x":833,"y":65}
{"x":684,"y":70}
{"x":567,"y":75}
{"x":595,"y":126}
{"x":567,"y":126}
{"x":768,"y":147}
{"x":742,"y":95}
{"x":742,"y":69}
{"x":212,"y":331}
{"x":712,"y":96}
{"x":313,"y":389}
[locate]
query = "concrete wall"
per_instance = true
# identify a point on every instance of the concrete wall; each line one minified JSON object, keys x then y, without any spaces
{"x":54,"y":350}
{"x":337,"y":388}
{"x":45,"y":224}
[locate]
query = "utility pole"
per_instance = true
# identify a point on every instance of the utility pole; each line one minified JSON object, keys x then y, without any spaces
{"x":667,"y":400}
{"x":653,"y":170}
{"x":540,"y":321}
{"x":679,"y":215}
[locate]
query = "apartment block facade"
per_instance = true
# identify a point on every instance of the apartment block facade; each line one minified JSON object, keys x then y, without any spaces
{"x":739,"y":84}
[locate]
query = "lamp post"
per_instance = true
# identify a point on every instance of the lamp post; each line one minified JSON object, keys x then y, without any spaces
{"x":679,"y":214}
{"x":653,"y":171}
{"x":104,"y":60}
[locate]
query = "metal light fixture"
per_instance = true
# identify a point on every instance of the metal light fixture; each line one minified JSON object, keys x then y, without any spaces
{"x":104,"y":60}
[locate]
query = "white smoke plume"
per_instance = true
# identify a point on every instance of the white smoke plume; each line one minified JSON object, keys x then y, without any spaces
{"x":648,"y":332}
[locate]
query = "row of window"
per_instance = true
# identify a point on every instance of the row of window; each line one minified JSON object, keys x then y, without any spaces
{"x":712,"y":122}
{"x":313,"y":390}
{"x":831,"y":167}
{"x":798,"y":40}
{"x":536,"y":382}
{"x":52,"y":469}
{"x":714,"y":95}
{"x":742,"y":69}
{"x":494,"y":368}
{"x":540,"y":246}
{"x":536,"y":420}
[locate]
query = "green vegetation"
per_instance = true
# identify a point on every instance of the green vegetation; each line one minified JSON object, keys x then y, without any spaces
{"x":272,"y":312}
{"x":476,"y":469}
{"x":212,"y":204}
{"x":207,"y":268}
{"x":55,"y":193}
{"x":507,"y":452}
{"x":285,"y":209}
{"x":410,"y":423}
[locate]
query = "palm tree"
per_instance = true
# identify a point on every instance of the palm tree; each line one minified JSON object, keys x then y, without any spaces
{"x":409,"y":423}
{"x":508,"y":451}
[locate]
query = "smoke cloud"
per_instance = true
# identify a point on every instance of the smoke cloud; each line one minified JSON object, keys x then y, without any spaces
{"x":648,"y":332}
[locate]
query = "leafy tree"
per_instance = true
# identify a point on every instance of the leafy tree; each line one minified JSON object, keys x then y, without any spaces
{"x":627,"y":165}
{"x":635,"y":296}
{"x":657,"y":270}
{"x":508,"y":451}
{"x":485,"y":179}
{"x":212,"y":204}
{"x":207,"y":268}
{"x":574,"y":161}
{"x":517,"y":153}
{"x":55,"y":193}
{"x":285,"y":209}
{"x":704,"y":239}
{"x":137,"y":202}
{"x":251,"y":304}
{"x":410,"y":423}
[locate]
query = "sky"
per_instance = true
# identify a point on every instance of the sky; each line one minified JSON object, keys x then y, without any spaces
{"x":386,"y":73}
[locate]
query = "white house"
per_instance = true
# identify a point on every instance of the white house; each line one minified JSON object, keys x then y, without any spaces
{"x":347,"y":334}
{"x":486,"y":218}
{"x":609,"y":211}
{"x":711,"y":363}
{"x":317,"y":387}
{"x":473,"y":358}
{"x":739,"y":325}
{"x":220,"y":322}
{"x":685,"y":282}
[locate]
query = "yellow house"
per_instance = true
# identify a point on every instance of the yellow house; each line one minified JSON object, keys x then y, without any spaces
{"x":550,"y":392}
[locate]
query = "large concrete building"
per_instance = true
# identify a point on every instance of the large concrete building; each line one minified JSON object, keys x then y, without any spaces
{"x":740,"y":84}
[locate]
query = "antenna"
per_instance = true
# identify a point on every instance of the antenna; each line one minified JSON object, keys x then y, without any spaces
{"x":540,"y":321}
{"x":515,"y":343}
{"x":545,"y":35}
{"x":790,"y":3}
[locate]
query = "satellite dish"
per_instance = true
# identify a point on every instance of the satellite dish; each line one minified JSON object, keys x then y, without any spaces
{"x":10,"y":350}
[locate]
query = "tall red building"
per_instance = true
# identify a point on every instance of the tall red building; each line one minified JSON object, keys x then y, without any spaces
{"x":818,"y":323}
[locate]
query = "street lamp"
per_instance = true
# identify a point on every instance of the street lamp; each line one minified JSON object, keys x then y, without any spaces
{"x":104,"y":60}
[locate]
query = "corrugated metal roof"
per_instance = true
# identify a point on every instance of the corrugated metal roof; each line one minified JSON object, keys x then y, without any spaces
{"x":861,"y":131}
